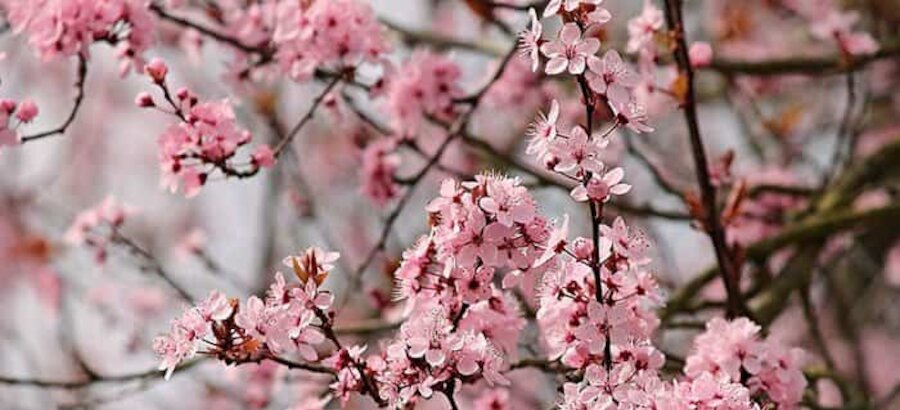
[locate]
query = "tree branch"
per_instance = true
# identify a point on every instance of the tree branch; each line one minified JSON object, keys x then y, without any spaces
{"x":79,"y":98}
{"x":712,"y":223}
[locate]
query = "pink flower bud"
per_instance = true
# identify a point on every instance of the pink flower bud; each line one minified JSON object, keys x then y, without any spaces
{"x":701,"y":54}
{"x":264,"y":156}
{"x":8,"y":106}
{"x":144,"y":100}
{"x":157,"y":70}
{"x":27,"y":111}
{"x":183,"y":93}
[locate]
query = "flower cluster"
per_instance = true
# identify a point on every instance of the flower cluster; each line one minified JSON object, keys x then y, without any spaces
{"x":289,"y":320}
{"x":482,"y":227}
{"x":608,"y":337}
{"x":69,"y":27}
{"x":97,"y":227}
{"x":734,"y":351}
{"x":607,"y":79}
{"x":462,"y":323}
{"x":23,"y":112}
{"x":424,"y":86}
{"x":205,"y":139}
{"x":336,"y":34}
{"x":379,"y":164}
{"x":430,"y":354}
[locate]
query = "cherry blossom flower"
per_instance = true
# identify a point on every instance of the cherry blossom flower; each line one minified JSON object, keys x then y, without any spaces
{"x":611,"y":77}
{"x":633,"y":116}
{"x":530,"y":40}
{"x":700,"y":54}
{"x":643,"y":28}
{"x":289,"y":320}
{"x":600,"y":188}
{"x":23,"y":112}
{"x":27,"y":111}
{"x":555,"y":6}
{"x":206,"y":138}
{"x":379,"y":165}
{"x":313,"y":263}
{"x":578,"y":152}
{"x":557,"y":242}
{"x":263,"y":156}
{"x":425,"y":85}
{"x":570,"y":51}
{"x":543,"y":132}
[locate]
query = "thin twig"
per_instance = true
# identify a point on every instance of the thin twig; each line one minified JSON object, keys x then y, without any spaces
{"x":79,"y":98}
{"x":90,"y":381}
{"x":306,"y":117}
{"x":805,"y":65}
{"x":151,"y":264}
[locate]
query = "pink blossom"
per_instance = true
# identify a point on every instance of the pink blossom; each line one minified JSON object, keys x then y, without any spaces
{"x":555,"y":6}
{"x":643,"y":28}
{"x":578,"y":153}
{"x":700,"y":54}
{"x":543,"y":132}
{"x":206,"y":138}
{"x":530,"y":40}
{"x":732,"y":349}
{"x":633,"y":116}
{"x":23,"y":112}
{"x":425,"y":85}
{"x":570,"y":51}
{"x":610,"y":76}
{"x":27,"y":111}
{"x":379,"y":166}
{"x":157,"y":70}
{"x":263,"y":156}
{"x":601,"y":188}
{"x":557,"y":242}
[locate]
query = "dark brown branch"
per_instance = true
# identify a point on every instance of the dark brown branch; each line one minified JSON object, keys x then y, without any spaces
{"x":222,"y":38}
{"x":79,"y":98}
{"x":438,"y":41}
{"x":836,"y":64}
{"x":90,"y":381}
{"x":306,"y":117}
{"x":314,"y":368}
{"x":712,"y":222}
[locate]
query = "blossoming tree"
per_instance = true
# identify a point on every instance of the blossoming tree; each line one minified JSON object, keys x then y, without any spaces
{"x":626,"y":205}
